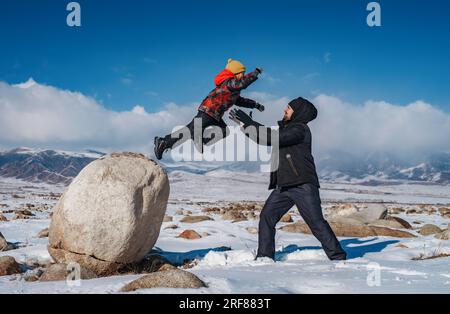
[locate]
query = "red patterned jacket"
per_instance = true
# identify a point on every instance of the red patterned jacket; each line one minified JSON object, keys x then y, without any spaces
{"x":228,"y":93}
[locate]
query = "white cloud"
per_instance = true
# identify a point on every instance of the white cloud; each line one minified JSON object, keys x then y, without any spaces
{"x":42,"y":116}
{"x":36,"y":115}
{"x":375,"y":126}
{"x":327,"y":57}
{"x":378,"y":126}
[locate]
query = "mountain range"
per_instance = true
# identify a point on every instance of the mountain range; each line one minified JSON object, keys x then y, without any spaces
{"x":60,"y":167}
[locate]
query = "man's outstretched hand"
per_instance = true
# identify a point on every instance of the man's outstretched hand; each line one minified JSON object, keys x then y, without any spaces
{"x":240,"y":117}
{"x":260,"y":107}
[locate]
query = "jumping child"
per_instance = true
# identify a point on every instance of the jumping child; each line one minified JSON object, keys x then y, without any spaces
{"x":229,"y":84}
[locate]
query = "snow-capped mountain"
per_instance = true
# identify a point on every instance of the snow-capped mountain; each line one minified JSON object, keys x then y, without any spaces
{"x":376,"y":168}
{"x":49,"y":166}
{"x":52,"y":166}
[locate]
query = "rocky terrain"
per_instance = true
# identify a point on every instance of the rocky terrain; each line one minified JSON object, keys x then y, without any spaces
{"x":207,"y":243}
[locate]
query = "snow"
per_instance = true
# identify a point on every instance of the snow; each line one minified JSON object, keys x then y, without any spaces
{"x":35,"y":151}
{"x":226,"y":258}
{"x":230,"y":258}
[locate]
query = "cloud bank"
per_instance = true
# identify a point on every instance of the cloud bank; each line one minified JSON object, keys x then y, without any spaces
{"x":373,"y":127}
{"x":37,"y":115}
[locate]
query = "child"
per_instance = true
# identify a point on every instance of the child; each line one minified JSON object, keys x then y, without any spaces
{"x":229,"y":84}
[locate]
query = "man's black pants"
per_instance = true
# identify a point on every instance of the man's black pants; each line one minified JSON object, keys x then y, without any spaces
{"x":307,"y":199}
{"x":199,"y":138}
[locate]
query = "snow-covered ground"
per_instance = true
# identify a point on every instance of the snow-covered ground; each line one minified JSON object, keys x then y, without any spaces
{"x":376,"y":265}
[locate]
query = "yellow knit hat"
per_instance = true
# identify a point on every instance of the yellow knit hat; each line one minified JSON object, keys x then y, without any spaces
{"x":235,"y":66}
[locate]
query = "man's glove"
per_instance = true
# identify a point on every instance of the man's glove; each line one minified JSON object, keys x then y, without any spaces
{"x":260,"y":107}
{"x":259,"y":70}
{"x":240,"y":117}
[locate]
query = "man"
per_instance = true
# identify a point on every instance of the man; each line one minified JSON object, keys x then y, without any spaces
{"x":295,"y":180}
{"x":229,"y":84}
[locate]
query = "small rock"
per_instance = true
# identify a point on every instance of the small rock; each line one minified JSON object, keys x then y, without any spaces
{"x":3,"y":218}
{"x":20,"y":217}
{"x":396,"y":210}
{"x":371,"y":213}
{"x":250,"y":216}
{"x":346,"y":220}
{"x":259,"y":207}
{"x":233,"y":215}
{"x":348,"y":230}
{"x":31,"y":278}
{"x":24,"y":212}
{"x":387,"y":223}
{"x":411,"y":212}
{"x":175,"y":278}
{"x":205,"y":234}
{"x":187,"y":212}
{"x":287,"y":218}
{"x":8,"y":266}
{"x":392,"y":222}
{"x":429,"y":229}
{"x":36,"y":265}
{"x":343,"y":210}
{"x":238,"y":207}
{"x":402,"y":246}
{"x":349,"y":214}
{"x":166,"y":267}
{"x":404,"y":223}
{"x":5,"y":245}
{"x":443,"y":235}
{"x":211,"y":210}
{"x":167,"y":218}
{"x":190,"y":264}
{"x":60,"y":272}
{"x":189,"y":235}
{"x":179,"y":212}
{"x":195,"y":219}
{"x":444,"y":210}
{"x":252,"y":230}
{"x":43,"y":233}
{"x":171,"y":227}
{"x":149,"y":264}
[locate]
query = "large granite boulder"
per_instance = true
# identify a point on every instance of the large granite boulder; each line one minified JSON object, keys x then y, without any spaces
{"x":111,"y":214}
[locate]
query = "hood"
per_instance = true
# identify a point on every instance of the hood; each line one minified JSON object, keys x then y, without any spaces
{"x":223,"y":76}
{"x":304,"y":111}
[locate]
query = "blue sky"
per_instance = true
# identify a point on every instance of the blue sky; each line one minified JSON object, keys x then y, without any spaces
{"x":155,"y":52}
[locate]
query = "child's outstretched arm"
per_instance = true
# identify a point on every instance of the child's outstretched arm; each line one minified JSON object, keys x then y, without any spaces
{"x":249,"y":103}
{"x":240,"y":84}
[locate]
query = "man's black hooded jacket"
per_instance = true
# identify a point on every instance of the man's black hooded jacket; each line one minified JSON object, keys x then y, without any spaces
{"x":295,"y":161}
